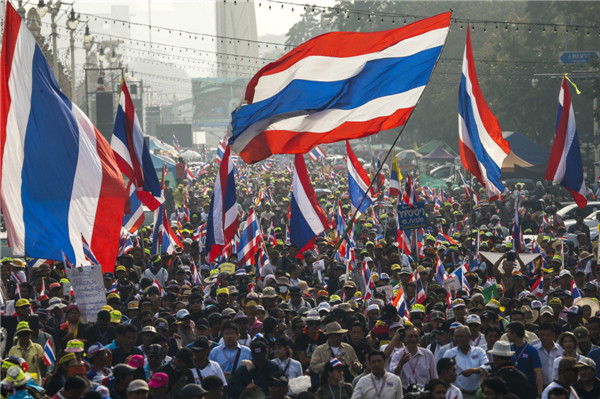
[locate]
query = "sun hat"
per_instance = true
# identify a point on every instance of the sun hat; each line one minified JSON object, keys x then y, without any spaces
{"x":15,"y":377}
{"x":22,"y":327}
{"x":334,"y":328}
{"x":137,"y":385}
{"x":502,"y":349}
{"x":74,"y":346}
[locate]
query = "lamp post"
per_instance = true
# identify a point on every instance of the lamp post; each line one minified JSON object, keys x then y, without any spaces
{"x":42,"y":9}
{"x":72,"y":23}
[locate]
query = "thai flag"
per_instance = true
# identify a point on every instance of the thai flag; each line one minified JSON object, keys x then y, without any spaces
{"x":59,"y":178}
{"x":537,"y":288}
{"x":221,"y":150}
{"x":441,"y":237}
{"x":565,"y":165}
{"x":482,"y":148}
{"x":340,"y":221}
{"x":420,"y":294}
{"x":271,"y":238}
{"x":460,"y":274}
{"x":263,"y":260}
{"x":377,"y":175}
{"x":358,"y":183}
{"x":89,"y":254}
{"x":176,"y":143}
{"x":395,"y":178}
{"x":66,"y":261}
{"x":125,"y":244}
{"x":132,"y":154}
{"x":222,"y":217}
{"x":133,"y":220}
{"x":164,"y":239}
{"x":113,"y":288}
{"x":37,"y":262}
{"x":316,"y":153}
{"x":249,"y":240}
{"x":196,"y":281}
{"x":49,"y":357}
{"x":409,"y":196}
{"x":288,"y":238}
{"x":400,"y":303}
{"x":337,"y":86}
{"x":307,"y":218}
{"x":367,"y":281}
{"x":575,"y":292}
{"x":440,"y":273}
{"x":188,"y":174}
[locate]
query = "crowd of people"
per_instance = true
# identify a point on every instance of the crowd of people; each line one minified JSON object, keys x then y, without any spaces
{"x":177,"y":326}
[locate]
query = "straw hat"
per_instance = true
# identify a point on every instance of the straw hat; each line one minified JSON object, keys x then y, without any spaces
{"x":334,"y":328}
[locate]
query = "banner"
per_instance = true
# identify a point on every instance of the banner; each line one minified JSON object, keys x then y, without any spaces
{"x":88,"y":288}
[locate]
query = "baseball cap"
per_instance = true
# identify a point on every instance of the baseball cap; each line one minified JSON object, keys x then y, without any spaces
{"x":187,"y":356}
{"x":158,"y":380}
{"x":473,"y":319}
{"x":122,"y":369}
{"x":95,"y":349}
{"x":568,"y":363}
{"x":581,"y":333}
{"x":587,"y":362}
{"x":137,"y":385}
{"x":546,"y":310}
{"x":22,"y":302}
{"x":200,"y":344}
{"x":458,"y":303}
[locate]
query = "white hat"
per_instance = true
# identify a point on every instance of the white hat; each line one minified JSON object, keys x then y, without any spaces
{"x":372,"y":307}
{"x":473,"y":318}
{"x":325,"y":306}
{"x":546,"y":309}
{"x":313,"y":315}
{"x":565,"y":272}
{"x":502,"y":349}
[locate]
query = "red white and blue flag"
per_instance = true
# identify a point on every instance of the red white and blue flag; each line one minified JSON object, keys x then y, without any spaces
{"x":133,"y":220}
{"x":565,"y":166}
{"x":337,"y":86}
{"x":271,"y":237}
{"x":164,"y":239}
{"x":409,"y":196}
{"x":420,"y":294}
{"x":316,"y":154}
{"x":307,"y":218}
{"x":59,"y":178}
{"x":49,"y":357}
{"x":400,"y":303}
{"x":537,"y":289}
{"x":358,"y":183}
{"x":249,"y":240}
{"x":176,"y":143}
{"x":132,"y":154}
{"x":482,"y":147}
{"x":222,"y":217}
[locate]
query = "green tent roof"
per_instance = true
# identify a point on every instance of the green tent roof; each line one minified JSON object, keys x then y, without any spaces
{"x":432,"y":145}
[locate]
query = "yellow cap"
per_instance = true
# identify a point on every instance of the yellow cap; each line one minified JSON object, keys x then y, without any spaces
{"x":22,"y":302}
{"x":121,"y":268}
{"x":107,"y":307}
{"x":74,"y":346}
{"x":115,"y":316}
{"x":224,"y":290}
{"x":113,"y":295}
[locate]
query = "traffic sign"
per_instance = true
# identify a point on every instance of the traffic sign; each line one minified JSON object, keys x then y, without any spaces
{"x":578,"y":57}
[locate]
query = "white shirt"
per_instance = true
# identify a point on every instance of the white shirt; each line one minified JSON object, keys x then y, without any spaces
{"x":367,"y":387}
{"x":291,"y":367}
{"x":475,"y":357}
{"x":480,"y":342}
{"x":555,"y":384}
{"x":547,"y":359}
{"x":453,"y":392}
{"x":557,"y":360}
{"x":420,"y":369}
{"x":212,"y":368}
{"x":442,"y":351}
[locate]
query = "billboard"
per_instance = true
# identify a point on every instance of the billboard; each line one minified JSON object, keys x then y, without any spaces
{"x":213,"y":100}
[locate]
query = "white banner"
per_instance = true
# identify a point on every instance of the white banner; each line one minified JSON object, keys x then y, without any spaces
{"x":88,"y":288}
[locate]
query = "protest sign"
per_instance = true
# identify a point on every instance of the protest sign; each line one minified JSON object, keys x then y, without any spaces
{"x":451,"y":283}
{"x":388,"y":290}
{"x":88,"y":287}
{"x":412,"y":217}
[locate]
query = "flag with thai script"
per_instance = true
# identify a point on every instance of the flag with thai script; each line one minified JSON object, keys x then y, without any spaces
{"x":482,"y":147}
{"x":337,"y":86}
{"x":59,"y":179}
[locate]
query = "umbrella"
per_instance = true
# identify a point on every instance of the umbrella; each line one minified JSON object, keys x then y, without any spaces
{"x":189,"y":154}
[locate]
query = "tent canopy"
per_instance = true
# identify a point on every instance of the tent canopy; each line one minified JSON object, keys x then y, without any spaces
{"x":524,"y":153}
{"x":439,"y":154}
{"x":432,"y":145}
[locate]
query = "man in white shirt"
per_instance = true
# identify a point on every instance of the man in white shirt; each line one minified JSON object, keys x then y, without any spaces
{"x":548,"y":350}
{"x":567,"y":376}
{"x":414,"y":365}
{"x":477,"y":339}
{"x":470,"y":361}
{"x":204,"y":366}
{"x":379,"y":384}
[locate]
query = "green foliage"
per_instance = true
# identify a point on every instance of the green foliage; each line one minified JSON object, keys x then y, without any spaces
{"x":507,"y":58}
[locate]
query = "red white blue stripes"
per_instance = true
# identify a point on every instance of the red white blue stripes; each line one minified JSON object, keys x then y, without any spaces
{"x":482,"y":148}
{"x":565,"y":165}
{"x":249,"y":240}
{"x":132,"y":152}
{"x":337,"y":86}
{"x":59,"y":178}
{"x":307,"y":218}
{"x":358,"y":183}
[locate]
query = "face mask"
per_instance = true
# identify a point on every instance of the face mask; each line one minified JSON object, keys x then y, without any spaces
{"x":283,"y":289}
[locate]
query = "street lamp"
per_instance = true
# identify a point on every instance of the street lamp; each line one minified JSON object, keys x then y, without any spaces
{"x":42,"y":9}
{"x":72,"y":23}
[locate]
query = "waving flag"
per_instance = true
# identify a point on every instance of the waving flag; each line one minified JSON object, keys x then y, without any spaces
{"x":565,"y":166}
{"x":358,"y":183}
{"x":271,"y":238}
{"x":249,"y":240}
{"x":59,"y":179}
{"x":220,"y":150}
{"x":164,"y":239}
{"x":176,"y":143}
{"x":222,"y":216}
{"x":132,"y":154}
{"x":316,"y":153}
{"x":367,"y":281}
{"x":537,"y":288}
{"x":400,"y":303}
{"x":49,"y":357}
{"x":409,"y":196}
{"x":337,"y":86}
{"x":133,"y":220}
{"x":395,"y":178}
{"x":575,"y":292}
{"x":420,"y":294}
{"x":482,"y":148}
{"x":307,"y":219}
{"x":440,"y":274}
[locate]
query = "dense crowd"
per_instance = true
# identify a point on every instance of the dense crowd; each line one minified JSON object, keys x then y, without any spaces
{"x":177,"y":326}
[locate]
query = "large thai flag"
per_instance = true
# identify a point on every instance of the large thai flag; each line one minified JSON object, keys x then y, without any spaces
{"x":132,"y":154}
{"x":307,"y":218}
{"x":59,"y":178}
{"x":482,"y":148}
{"x":164,"y":239}
{"x":337,"y":86}
{"x":358,"y":183}
{"x":249,"y":240}
{"x":222,"y":217}
{"x":565,"y":166}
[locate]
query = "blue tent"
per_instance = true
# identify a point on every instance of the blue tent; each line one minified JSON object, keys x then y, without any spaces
{"x":526,"y":158}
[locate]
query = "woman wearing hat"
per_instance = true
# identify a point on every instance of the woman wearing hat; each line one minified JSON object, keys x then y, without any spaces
{"x":332,"y":386}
